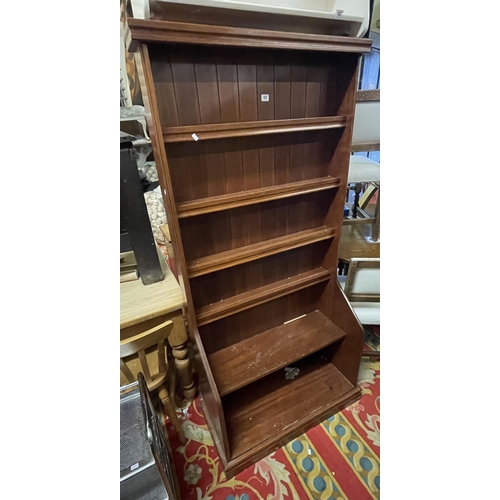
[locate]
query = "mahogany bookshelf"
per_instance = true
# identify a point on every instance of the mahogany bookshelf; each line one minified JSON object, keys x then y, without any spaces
{"x":251,"y":132}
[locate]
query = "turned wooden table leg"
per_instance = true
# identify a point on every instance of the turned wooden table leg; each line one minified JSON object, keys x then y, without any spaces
{"x":178,"y":342}
{"x":170,"y":410}
{"x":183,"y":366}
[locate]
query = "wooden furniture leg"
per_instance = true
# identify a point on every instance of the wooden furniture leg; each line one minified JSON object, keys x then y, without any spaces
{"x":183,"y":366}
{"x":357,"y":192}
{"x":370,"y":190}
{"x":372,"y":354}
{"x":170,"y":409}
{"x":376,"y":225}
{"x":178,"y":342}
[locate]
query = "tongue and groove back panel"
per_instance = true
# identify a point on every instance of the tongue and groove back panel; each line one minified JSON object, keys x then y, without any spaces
{"x":252,"y":146}
{"x":223,"y":84}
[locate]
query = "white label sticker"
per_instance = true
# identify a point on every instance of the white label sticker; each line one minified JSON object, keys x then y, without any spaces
{"x":264,"y":97}
{"x":133,"y":467}
{"x":195,"y":137}
{"x":339,"y":13}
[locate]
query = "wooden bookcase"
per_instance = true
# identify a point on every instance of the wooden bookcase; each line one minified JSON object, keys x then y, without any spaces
{"x":251,"y":131}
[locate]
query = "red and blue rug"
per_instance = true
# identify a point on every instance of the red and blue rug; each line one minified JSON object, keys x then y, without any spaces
{"x":338,"y":459}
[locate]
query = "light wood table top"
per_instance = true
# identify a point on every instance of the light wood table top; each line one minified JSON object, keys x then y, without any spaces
{"x":354,"y":244}
{"x":139,"y":303}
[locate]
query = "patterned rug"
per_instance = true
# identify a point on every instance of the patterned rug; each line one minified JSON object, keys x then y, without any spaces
{"x":338,"y":459}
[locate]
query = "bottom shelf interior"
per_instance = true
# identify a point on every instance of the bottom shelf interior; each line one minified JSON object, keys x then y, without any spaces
{"x":261,"y":410}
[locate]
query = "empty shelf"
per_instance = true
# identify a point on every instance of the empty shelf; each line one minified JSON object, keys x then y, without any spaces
{"x":243,"y":129}
{"x":241,"y":364}
{"x":230,"y":258}
{"x":275,"y":407}
{"x":250,"y":197}
{"x":252,"y":298}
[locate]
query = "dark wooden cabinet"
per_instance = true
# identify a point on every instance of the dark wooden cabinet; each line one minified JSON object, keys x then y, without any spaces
{"x":251,"y":131}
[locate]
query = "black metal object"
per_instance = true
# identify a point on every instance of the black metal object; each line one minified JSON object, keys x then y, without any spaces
{"x":157,"y":439}
{"x":135,"y":227}
{"x":146,"y":469}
